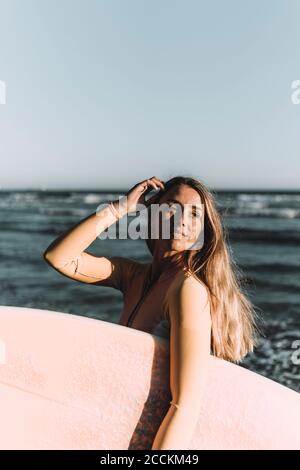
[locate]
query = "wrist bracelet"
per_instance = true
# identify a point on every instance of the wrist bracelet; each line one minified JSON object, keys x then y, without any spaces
{"x":114,"y":210}
{"x":175,"y":404}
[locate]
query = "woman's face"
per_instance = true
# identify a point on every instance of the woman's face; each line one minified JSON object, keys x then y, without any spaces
{"x":180,"y":219}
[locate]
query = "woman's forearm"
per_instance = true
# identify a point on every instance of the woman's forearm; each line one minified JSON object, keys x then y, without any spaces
{"x":176,"y":430}
{"x":73,"y":242}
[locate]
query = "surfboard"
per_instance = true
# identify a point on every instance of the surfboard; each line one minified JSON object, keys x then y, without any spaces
{"x":72,"y":382}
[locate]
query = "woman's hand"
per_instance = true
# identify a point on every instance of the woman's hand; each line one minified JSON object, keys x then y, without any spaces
{"x":136,"y":195}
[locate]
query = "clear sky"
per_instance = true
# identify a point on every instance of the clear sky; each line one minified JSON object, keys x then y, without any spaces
{"x":103,"y":94}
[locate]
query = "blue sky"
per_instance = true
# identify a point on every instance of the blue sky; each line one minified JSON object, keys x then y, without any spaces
{"x":103,"y":94}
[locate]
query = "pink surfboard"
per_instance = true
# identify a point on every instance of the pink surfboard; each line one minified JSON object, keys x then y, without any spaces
{"x":71,"y":382}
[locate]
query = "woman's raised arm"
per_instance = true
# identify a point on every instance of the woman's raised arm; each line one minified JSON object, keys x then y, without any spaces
{"x":66,"y":254}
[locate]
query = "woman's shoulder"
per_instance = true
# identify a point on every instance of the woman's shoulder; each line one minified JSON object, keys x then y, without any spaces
{"x":186,"y":285}
{"x":186,"y":280}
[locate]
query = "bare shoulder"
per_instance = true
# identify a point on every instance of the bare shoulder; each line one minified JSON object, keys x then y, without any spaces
{"x":184,"y":284}
{"x":187,"y":296}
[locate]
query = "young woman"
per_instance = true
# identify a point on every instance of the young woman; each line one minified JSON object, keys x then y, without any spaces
{"x":191,"y":286}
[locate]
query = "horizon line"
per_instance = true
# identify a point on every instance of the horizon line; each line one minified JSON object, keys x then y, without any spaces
{"x":122,"y":191}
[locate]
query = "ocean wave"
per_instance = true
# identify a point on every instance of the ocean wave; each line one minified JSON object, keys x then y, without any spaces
{"x":52,"y":211}
{"x":23,"y":228}
{"x":271,"y":267}
{"x":268,"y":197}
{"x":265,"y":236}
{"x":94,"y":198}
{"x":286,"y":206}
{"x":257,"y":210}
{"x":271,"y":286}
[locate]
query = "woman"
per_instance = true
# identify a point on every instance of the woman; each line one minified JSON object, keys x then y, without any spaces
{"x":192,"y":286}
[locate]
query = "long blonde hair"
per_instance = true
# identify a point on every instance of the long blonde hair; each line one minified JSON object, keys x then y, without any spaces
{"x":233,"y":315}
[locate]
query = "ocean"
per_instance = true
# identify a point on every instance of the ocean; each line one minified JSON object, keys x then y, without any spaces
{"x":263,"y":234}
